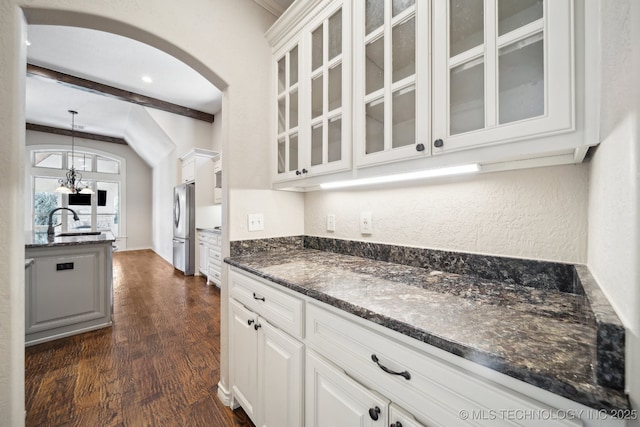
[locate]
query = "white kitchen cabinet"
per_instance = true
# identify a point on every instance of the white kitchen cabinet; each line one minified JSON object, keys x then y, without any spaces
{"x":266,"y":369}
{"x":188,"y":170}
{"x":398,"y":417}
{"x":313,"y":73}
{"x":69,"y":291}
{"x":431,"y":389}
{"x":210,"y":255}
{"x":217,"y":187}
{"x":335,"y":400}
{"x":431,"y":84}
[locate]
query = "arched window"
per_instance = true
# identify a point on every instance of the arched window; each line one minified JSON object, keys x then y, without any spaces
{"x":102,"y":172}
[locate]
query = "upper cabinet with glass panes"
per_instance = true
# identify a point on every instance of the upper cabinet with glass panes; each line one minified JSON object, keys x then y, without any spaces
{"x":314,"y":118}
{"x":503,"y":71}
{"x":430,"y":83}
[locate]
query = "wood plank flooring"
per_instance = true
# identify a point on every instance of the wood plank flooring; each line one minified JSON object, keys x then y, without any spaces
{"x":156,"y":366}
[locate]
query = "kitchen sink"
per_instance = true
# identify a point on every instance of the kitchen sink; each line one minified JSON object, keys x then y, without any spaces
{"x":79,"y":233}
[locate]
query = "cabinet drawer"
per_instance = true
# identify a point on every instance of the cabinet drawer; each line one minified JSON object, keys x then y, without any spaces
{"x":280,"y":309}
{"x":432,"y":389}
{"x":214,"y":255}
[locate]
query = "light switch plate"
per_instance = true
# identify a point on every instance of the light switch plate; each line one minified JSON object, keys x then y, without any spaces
{"x":331,"y":222}
{"x":255,"y":222}
{"x":366,"y":223}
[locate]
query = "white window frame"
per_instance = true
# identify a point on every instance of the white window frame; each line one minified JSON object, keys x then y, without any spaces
{"x":33,"y":172}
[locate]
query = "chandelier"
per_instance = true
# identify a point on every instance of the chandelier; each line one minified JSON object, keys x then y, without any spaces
{"x":73,"y":182}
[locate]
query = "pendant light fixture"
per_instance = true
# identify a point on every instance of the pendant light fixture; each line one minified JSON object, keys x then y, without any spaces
{"x":73,"y":182}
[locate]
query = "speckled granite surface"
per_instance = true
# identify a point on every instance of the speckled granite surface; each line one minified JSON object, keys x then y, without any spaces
{"x":543,"y":337}
{"x":41,"y":240}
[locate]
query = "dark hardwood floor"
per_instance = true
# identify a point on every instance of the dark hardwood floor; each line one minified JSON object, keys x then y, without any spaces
{"x":156,"y":366}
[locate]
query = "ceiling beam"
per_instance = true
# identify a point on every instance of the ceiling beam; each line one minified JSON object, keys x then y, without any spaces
{"x":76,"y":134}
{"x":114,"y":92}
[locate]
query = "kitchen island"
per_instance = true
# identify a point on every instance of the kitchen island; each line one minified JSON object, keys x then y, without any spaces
{"x":68,"y":286}
{"x":542,"y":336}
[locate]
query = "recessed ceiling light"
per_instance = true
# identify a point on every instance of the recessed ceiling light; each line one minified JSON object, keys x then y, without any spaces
{"x":28,"y":43}
{"x":147,"y":79}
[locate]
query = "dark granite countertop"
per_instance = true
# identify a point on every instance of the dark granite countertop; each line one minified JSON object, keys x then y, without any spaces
{"x":41,"y":239}
{"x":543,"y":337}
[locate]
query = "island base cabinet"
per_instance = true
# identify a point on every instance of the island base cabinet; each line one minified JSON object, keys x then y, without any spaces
{"x":266,"y":373}
{"x":335,"y":400}
{"x":69,"y":292}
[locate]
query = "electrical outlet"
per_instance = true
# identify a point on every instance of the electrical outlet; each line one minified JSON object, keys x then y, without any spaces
{"x":331,"y":222}
{"x":255,"y":222}
{"x":366,"y":223}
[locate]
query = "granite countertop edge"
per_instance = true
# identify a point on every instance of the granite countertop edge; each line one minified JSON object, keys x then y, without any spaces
{"x":41,"y":240}
{"x":592,"y":395}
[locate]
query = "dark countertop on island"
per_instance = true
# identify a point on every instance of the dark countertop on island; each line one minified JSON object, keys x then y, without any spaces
{"x":41,"y":239}
{"x":544,"y":337}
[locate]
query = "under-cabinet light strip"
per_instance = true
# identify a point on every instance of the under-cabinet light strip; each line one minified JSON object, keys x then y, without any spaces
{"x":430,"y":173}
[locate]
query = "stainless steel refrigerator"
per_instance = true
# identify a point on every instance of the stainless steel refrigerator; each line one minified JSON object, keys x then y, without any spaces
{"x":184,"y":229}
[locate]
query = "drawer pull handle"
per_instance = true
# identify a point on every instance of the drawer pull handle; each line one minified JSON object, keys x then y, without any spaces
{"x":405,"y":374}
{"x":250,"y":322}
{"x":257,"y":297}
{"x":257,"y":326}
{"x":374,"y":413}
{"x":396,"y":424}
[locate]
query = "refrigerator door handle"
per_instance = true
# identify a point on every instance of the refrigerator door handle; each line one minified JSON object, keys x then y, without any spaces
{"x":178,"y":241}
{"x":176,"y":211}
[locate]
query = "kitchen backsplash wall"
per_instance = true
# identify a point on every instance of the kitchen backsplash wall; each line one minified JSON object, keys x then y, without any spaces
{"x":535,"y":213}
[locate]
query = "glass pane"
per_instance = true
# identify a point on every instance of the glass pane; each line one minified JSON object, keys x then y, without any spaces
{"x":521,"y":84}
{"x":316,"y":145}
{"x":399,"y":6}
{"x":45,"y":199}
{"x":281,"y":114}
{"x":293,"y":109}
{"x":467,"y":97}
{"x":335,"y":87}
{"x":282,"y":152}
{"x":293,"y":66}
{"x":105,"y":165}
{"x":80,"y":161}
{"x":282,"y":82}
{"x":316,"y":96}
{"x":375,"y":65}
{"x":108,"y":196}
{"x":404,"y":50}
{"x":374,"y":15}
{"x":47,"y":159}
{"x":375,"y":127}
{"x":404,"y":117}
{"x":316,"y":48}
{"x":335,"y":34}
{"x":293,"y":152}
{"x":466,"y":27}
{"x":335,"y":139}
{"x":513,"y":14}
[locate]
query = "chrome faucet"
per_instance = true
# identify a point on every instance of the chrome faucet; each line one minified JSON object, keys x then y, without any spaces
{"x":50,"y":231}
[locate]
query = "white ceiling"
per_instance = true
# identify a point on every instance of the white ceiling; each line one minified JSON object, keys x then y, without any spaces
{"x":115,"y":61}
{"x":112,"y":60}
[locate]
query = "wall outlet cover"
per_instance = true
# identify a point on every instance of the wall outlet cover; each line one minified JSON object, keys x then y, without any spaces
{"x":255,"y":221}
{"x":366,"y":223}
{"x":331,"y":222}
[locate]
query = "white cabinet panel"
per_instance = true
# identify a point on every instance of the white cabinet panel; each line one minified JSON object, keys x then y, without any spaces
{"x":243,"y":347}
{"x":280,"y":377}
{"x":335,"y":400}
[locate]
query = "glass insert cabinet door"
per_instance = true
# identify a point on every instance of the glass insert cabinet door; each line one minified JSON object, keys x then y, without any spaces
{"x":391,"y":79}
{"x":329,"y":121}
{"x":287,"y":151}
{"x":504,"y":72}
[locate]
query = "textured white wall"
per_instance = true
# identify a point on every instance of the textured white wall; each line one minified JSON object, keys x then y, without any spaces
{"x":283,"y":211}
{"x":614,"y":196}
{"x":536,"y":213}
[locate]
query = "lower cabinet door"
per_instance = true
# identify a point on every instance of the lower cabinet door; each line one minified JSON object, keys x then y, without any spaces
{"x":398,"y":417}
{"x":280,"y":377}
{"x":243,"y":346}
{"x":333,"y":399}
